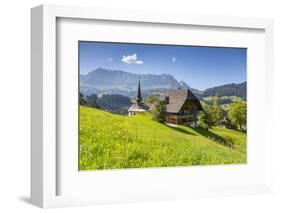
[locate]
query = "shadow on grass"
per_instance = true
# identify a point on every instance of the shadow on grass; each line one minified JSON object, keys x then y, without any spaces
{"x":214,"y":137}
{"x":180,"y":130}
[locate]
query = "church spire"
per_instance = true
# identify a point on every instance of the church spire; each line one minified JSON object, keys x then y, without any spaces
{"x":139,"y":98}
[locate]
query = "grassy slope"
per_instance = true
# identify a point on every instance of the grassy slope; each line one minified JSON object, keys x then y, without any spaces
{"x":109,"y":141}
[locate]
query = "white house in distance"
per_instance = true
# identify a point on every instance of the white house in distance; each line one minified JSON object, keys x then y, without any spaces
{"x":138,"y":107}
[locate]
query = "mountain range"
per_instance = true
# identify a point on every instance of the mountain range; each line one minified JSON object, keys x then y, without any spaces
{"x":104,"y":81}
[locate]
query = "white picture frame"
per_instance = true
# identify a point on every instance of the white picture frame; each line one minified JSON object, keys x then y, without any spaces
{"x":45,"y":168}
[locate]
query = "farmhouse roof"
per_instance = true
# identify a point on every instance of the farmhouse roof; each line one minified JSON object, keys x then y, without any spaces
{"x":177,"y":98}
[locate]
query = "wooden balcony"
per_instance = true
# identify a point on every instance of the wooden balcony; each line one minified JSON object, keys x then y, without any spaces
{"x":186,"y":116}
{"x":181,"y":116}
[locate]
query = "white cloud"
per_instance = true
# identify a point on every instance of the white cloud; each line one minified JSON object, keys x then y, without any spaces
{"x":174,"y":59}
{"x":139,"y":62}
{"x":110,"y":59}
{"x":131,"y":59}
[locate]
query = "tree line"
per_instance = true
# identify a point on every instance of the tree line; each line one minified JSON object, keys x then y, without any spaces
{"x":214,"y":115}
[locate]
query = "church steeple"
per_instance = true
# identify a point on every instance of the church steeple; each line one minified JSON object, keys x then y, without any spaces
{"x":139,"y":98}
{"x":138,"y":107}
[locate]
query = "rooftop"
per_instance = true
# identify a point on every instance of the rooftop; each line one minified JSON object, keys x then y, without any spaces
{"x":177,"y":98}
{"x":138,"y":108}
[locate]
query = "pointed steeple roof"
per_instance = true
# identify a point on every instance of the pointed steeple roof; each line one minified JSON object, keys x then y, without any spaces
{"x":139,"y":98}
{"x":139,"y":106}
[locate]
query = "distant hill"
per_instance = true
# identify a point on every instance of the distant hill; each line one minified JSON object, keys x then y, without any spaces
{"x":238,"y":90}
{"x":116,"y":82}
{"x":115,"y":103}
{"x":105,"y":81}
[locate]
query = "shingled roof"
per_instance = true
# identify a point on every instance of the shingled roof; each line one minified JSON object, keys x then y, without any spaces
{"x":177,"y":98}
{"x":138,"y":108}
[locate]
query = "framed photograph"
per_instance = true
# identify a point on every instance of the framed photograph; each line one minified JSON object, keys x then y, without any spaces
{"x":131,"y":106}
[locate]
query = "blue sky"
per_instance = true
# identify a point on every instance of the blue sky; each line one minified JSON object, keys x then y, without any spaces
{"x":199,"y":67}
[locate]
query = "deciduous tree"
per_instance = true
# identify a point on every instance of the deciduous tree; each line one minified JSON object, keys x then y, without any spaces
{"x":158,"y":111}
{"x":205,"y":118}
{"x":238,"y":114}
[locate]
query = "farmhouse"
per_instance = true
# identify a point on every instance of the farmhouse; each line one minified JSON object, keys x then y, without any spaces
{"x":182,"y":107}
{"x":139,"y":106}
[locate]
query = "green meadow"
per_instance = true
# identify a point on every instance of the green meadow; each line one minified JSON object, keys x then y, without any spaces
{"x":111,"y":141}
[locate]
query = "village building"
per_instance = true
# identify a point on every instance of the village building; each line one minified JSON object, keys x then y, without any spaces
{"x":182,"y":107}
{"x":138,"y":107}
{"x":226,"y":123}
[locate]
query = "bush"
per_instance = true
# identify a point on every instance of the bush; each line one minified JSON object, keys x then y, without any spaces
{"x":226,"y":123}
{"x":158,"y":112}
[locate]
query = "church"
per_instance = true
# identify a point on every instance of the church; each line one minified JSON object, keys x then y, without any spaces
{"x":138,"y":107}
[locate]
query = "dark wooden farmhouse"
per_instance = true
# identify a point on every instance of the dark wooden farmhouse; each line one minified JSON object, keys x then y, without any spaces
{"x":182,"y":107}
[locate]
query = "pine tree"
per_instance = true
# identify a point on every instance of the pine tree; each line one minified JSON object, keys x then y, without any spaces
{"x":81,"y":99}
{"x":217,"y":111}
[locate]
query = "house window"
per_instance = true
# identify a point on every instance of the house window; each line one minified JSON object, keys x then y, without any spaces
{"x":186,"y":111}
{"x":167,"y":99}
